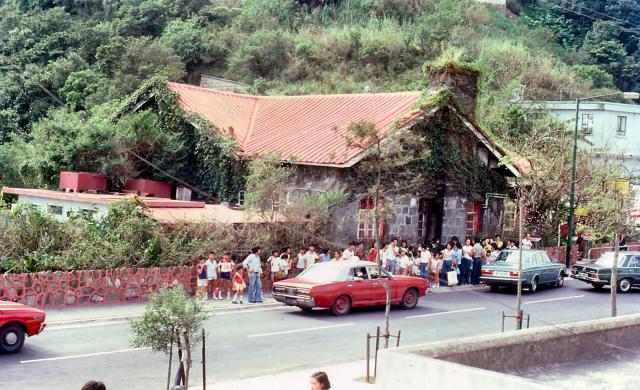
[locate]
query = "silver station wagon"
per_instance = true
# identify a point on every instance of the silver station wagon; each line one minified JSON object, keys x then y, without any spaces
{"x":537,"y":269}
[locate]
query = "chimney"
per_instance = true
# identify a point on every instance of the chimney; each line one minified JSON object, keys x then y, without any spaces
{"x":461,"y":80}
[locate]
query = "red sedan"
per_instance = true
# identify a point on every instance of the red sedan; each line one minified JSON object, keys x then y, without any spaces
{"x":16,"y":322}
{"x":341,"y":285}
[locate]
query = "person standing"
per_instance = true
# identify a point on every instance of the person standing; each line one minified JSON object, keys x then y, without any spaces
{"x":404,"y":262}
{"x":526,"y":242}
{"x":201,"y":271}
{"x":373,"y":253}
{"x":252,"y":264}
{"x":274,"y":263}
{"x":478,"y":255}
{"x":467,"y":259}
{"x":337,"y":256}
{"x":311,"y":257}
{"x":392,"y":256}
{"x":425,"y":261}
{"x":300,"y":261}
{"x":457,"y":259}
{"x":212,"y":277}
{"x":325,"y":256}
{"x":447,"y":264}
{"x":350,"y":252}
{"x":623,"y":243}
{"x":499,"y":244}
{"x":238,"y":286}
{"x":226,"y":267}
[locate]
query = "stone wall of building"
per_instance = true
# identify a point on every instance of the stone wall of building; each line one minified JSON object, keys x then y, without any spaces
{"x":454,"y":217}
{"x":402,"y":223}
{"x":96,"y":287}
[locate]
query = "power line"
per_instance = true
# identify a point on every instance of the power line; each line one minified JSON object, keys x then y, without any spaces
{"x":608,"y":16}
{"x":633,"y":32}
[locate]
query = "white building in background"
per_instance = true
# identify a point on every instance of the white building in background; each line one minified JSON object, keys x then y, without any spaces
{"x":608,"y":129}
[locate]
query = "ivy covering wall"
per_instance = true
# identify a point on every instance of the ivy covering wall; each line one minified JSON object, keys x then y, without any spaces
{"x":207,"y":158}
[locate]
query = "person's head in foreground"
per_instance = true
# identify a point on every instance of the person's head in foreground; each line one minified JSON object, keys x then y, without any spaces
{"x":94,"y":385}
{"x":319,"y":381}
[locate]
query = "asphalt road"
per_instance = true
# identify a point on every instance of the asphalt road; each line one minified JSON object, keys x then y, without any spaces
{"x":260,"y":341}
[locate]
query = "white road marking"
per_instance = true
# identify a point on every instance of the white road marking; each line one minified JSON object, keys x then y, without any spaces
{"x":554,"y":299}
{"x":256,"y":310}
{"x":90,"y":325}
{"x":81,"y":356}
{"x":300,"y":330}
{"x":447,"y":312}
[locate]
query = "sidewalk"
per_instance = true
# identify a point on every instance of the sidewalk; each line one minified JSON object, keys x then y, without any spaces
{"x":341,"y":377}
{"x":77,"y":314}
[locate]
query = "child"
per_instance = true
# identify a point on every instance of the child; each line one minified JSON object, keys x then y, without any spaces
{"x":434,"y":272}
{"x":238,"y":285}
{"x":274,"y":262}
{"x":201,"y":270}
{"x":404,"y":262}
{"x":226,"y":266}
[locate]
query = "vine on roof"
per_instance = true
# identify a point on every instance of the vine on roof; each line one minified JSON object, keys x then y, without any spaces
{"x":210,"y":161}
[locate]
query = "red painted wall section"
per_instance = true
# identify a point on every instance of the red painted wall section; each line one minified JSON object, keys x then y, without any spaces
{"x":158,"y":189}
{"x":112,"y":286}
{"x":83,"y":181}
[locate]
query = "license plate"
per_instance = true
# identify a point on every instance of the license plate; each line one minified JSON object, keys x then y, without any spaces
{"x":498,"y":273}
{"x":582,"y":275}
{"x":290,"y":301}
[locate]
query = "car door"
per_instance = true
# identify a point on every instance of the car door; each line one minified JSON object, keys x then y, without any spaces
{"x":362,"y":288}
{"x":378,"y":294}
{"x":634,"y":269}
{"x":549,"y":268}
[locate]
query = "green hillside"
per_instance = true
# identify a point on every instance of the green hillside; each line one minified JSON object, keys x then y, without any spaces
{"x":90,"y":54}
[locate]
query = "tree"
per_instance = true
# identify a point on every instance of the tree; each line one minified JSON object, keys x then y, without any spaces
{"x":382,"y":172}
{"x":170,"y":316}
{"x":606,"y":208}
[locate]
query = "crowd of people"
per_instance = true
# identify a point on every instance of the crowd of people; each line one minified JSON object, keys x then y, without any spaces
{"x":220,"y":278}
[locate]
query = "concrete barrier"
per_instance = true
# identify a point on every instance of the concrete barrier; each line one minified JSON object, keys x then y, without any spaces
{"x":489,"y":361}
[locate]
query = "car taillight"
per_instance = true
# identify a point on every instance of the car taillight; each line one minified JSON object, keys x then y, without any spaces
{"x":487,"y":272}
{"x":514,"y":274}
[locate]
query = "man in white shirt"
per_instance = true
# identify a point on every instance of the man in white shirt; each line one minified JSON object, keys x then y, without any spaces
{"x":212,"y":276}
{"x":311,"y":257}
{"x":425,"y":261}
{"x":350,"y":252}
{"x":252,"y":264}
{"x":526,"y":242}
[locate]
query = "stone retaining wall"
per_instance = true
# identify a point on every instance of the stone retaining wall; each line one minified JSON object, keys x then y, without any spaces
{"x":95,"y":287}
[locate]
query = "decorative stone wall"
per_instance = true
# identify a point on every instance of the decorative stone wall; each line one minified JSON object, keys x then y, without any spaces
{"x":77,"y":288}
{"x":95,"y":287}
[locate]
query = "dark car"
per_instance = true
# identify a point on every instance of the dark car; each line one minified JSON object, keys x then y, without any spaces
{"x":598,"y":273}
{"x":537,"y":269}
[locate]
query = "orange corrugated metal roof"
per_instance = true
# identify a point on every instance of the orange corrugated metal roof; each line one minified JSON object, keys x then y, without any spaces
{"x":307,"y":128}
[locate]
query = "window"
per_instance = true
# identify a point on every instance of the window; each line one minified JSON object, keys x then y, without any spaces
{"x":621,"y":130}
{"x":87,"y":213}
{"x":366,"y":220}
{"x":423,"y":209}
{"x":55,"y":210}
{"x":587,"y":124}
{"x":635,"y":262}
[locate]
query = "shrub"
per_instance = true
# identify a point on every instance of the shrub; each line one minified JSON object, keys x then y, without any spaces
{"x":264,"y":54}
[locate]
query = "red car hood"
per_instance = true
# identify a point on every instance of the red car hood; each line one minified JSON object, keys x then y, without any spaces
{"x":7,"y":306}
{"x":297,"y":283}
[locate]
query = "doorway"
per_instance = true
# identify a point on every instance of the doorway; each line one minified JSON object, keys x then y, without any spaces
{"x":430,"y":219}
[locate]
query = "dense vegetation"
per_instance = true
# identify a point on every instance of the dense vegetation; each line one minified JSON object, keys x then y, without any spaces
{"x":90,"y":54}
{"x":68,"y":69}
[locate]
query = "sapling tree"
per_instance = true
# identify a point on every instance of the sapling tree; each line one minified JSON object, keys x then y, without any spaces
{"x":382,"y":172}
{"x":606,"y":210}
{"x":169,"y":317}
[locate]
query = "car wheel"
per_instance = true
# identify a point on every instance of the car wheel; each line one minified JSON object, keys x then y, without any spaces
{"x":598,"y":286}
{"x":409,"y":299}
{"x":11,"y":338}
{"x":533,"y":287}
{"x":494,"y":287}
{"x":560,"y":280}
{"x":624,"y":285}
{"x":342,"y":305}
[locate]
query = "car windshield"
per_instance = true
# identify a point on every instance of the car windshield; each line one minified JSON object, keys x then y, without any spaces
{"x":323,"y":273}
{"x":512,"y":257}
{"x":606,"y":260}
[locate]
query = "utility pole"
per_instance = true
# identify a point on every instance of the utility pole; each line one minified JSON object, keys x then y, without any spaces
{"x":520,"y":234}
